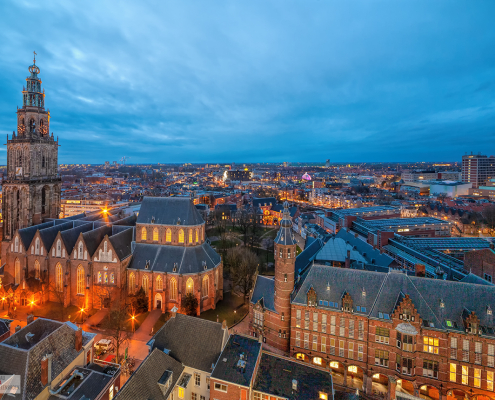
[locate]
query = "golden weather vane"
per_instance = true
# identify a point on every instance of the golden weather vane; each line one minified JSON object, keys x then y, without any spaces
{"x":34,"y":60}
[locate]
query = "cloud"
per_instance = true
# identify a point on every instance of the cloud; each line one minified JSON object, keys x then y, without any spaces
{"x":165,"y":81}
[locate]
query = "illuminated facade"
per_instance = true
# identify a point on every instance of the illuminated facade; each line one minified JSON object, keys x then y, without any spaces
{"x":31,"y":190}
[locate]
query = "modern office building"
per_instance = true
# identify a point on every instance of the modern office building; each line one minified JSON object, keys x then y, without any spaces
{"x":477,"y":169}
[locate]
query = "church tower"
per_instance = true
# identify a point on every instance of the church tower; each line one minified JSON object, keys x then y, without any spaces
{"x":285,"y":260}
{"x":31,"y":187}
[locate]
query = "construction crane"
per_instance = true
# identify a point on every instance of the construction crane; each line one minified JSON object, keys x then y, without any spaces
{"x":123,"y":160}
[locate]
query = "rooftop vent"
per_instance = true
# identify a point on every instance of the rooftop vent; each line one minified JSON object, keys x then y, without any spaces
{"x":442,"y":303}
{"x":152,"y":220}
{"x":489,"y":310}
{"x":294,"y":384}
{"x":29,"y":336}
{"x":328,"y":285}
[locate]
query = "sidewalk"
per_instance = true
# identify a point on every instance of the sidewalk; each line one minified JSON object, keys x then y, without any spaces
{"x":95,"y":319}
{"x":143,"y":333}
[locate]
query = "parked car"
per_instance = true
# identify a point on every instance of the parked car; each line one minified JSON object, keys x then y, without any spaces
{"x":104,"y":345}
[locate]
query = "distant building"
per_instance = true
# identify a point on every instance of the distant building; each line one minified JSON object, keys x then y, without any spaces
{"x":478,"y":169}
{"x":238,"y":175}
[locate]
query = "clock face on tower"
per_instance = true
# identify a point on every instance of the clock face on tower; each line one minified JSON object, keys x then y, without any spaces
{"x":18,"y":171}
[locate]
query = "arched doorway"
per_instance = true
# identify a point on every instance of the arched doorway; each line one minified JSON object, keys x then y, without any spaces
{"x":355,"y":377}
{"x":158,"y":301}
{"x":337,"y":369}
{"x":429,"y":392}
{"x":457,"y":394}
{"x":379,"y":384}
{"x":404,"y":386}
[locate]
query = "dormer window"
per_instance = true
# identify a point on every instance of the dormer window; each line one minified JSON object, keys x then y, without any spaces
{"x":364,"y":292}
{"x":347,"y":307}
{"x":489,"y":310}
{"x":473,"y":328}
{"x":442,"y":304}
{"x":328,"y":286}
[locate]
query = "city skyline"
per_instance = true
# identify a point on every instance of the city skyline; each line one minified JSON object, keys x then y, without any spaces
{"x":196,"y":83}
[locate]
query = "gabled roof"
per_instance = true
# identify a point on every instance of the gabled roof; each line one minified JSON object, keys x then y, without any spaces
{"x":162,"y":258}
{"x":93,"y":238}
{"x":27,"y":234}
{"x":168,"y":210}
{"x":228,"y":367}
{"x":194,"y":342}
{"x":121,"y":242}
{"x":70,"y":236}
{"x":262,"y":201}
{"x":264,"y":289}
{"x":48,"y":235}
{"x":143,"y":384}
{"x":312,"y":248}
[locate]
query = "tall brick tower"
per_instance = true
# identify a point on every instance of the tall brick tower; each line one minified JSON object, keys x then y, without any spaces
{"x":31,"y":189}
{"x":285,"y":259}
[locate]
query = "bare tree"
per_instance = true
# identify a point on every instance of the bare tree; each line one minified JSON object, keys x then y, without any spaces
{"x":59,"y":297}
{"x":489,"y":214}
{"x":243,"y":264}
{"x":244,"y":222}
{"x":117,"y":321}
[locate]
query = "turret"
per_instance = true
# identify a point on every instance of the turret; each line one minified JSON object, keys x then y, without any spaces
{"x":285,"y":259}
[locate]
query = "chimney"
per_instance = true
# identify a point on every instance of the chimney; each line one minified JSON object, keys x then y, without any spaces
{"x":30,"y":318}
{"x":173,"y":311}
{"x":17,"y":328}
{"x":348,"y":259}
{"x":78,"y":343}
{"x":420,"y":270}
{"x":46,"y":369}
{"x":224,"y":324}
{"x":356,"y":235}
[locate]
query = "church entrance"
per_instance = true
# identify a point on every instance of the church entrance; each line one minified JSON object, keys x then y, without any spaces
{"x":158,"y":301}
{"x":106,"y":302}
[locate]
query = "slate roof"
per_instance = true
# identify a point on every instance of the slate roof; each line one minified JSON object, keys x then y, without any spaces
{"x":143,"y":384}
{"x":264,"y":201}
{"x":50,"y":337}
{"x":121,"y":242}
{"x":167,"y":211}
{"x":27,"y":234}
{"x":4,"y":326}
{"x":275,"y":375}
{"x":196,"y":343}
{"x":228,"y":369}
{"x":381,"y":291}
{"x":94,"y":237}
{"x":70,"y":236}
{"x":162,"y":258}
{"x":48,"y":235}
{"x":264,"y":289}
{"x":285,"y":235}
{"x":472,"y":278}
{"x":312,"y":248}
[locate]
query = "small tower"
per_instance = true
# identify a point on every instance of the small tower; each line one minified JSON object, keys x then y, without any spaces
{"x":285,"y":260}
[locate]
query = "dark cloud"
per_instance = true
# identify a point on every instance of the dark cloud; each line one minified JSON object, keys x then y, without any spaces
{"x":193,"y":81}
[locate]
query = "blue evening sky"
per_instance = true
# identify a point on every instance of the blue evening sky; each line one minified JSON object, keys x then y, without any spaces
{"x":256,"y":80}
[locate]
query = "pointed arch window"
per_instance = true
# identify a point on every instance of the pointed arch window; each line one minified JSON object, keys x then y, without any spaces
{"x":155,"y":234}
{"x":159,"y":283}
{"x":197,"y":235}
{"x":112,"y":278}
{"x":58,"y":278}
{"x":105,"y":278}
{"x":146,"y":284}
{"x":59,"y":248}
{"x":99,"y":277}
{"x":81,"y":248}
{"x":190,"y":286}
{"x":143,"y":233}
{"x":16,"y":244}
{"x":132,"y":282}
{"x":37,"y":269}
{"x":205,"y":286}
{"x":17,"y":268}
{"x":168,"y":236}
{"x":173,"y":289}
{"x":288,"y":253}
{"x":181,"y":235}
{"x":80,"y":280}
{"x":37,"y":246}
{"x":280,"y":253}
{"x":190,"y":236}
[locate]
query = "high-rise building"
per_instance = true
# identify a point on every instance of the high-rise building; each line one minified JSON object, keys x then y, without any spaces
{"x":31,"y":190}
{"x":327,"y":164}
{"x":477,"y":169}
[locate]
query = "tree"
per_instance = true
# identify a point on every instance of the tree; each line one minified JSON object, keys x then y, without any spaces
{"x":244,"y":222}
{"x":116,"y":323}
{"x":255,"y":229}
{"x":489,"y":214}
{"x":190,"y":304}
{"x":243,"y":265}
{"x":139,"y":301}
{"x":59,"y":298}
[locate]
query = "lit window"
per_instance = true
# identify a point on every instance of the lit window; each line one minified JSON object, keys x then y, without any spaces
{"x":159,"y":283}
{"x":99,"y":277}
{"x":173,"y":289}
{"x":112,"y":278}
{"x":168,"y":236}
{"x":189,"y":286}
{"x":143,"y":233}
{"x":155,"y":234}
{"x":181,"y":236}
{"x":80,"y":280}
{"x":190,"y":235}
{"x":465,"y":375}
{"x":430,"y":345}
{"x":323,"y":396}
{"x":477,"y":377}
{"x":453,"y":372}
